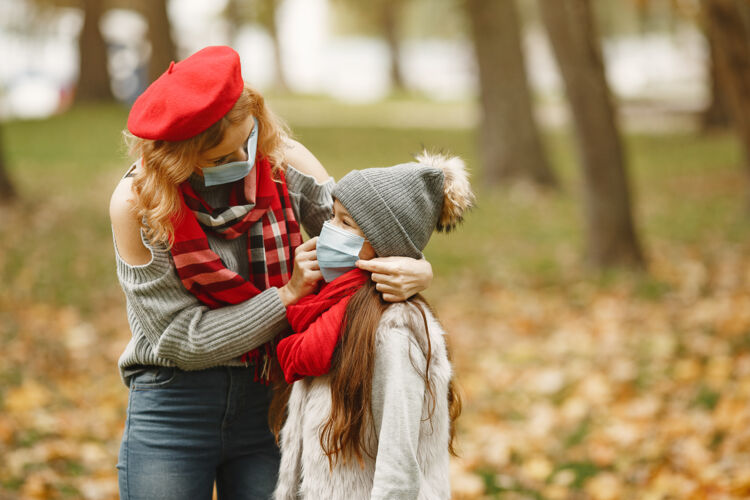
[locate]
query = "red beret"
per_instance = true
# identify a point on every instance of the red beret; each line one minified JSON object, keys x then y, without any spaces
{"x":189,"y":97}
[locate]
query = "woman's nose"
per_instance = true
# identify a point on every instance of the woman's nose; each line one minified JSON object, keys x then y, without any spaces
{"x":241,"y":154}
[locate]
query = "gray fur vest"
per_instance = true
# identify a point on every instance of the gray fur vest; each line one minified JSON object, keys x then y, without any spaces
{"x":411,"y":453}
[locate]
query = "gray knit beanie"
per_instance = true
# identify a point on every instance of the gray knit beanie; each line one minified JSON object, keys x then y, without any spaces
{"x":399,"y":207}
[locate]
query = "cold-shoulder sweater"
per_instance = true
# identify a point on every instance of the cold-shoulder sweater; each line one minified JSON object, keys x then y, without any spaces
{"x":170,"y":327}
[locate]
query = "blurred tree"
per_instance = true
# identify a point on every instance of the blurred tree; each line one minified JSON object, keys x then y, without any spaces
{"x":511,"y":148}
{"x":262,"y":12}
{"x":93,"y":79}
{"x":386,"y":16}
{"x":728,"y":24}
{"x":643,"y":14}
{"x":716,"y":114}
{"x":433,"y":19}
{"x":163,"y":50}
{"x":656,"y":15}
{"x":7,"y":190}
{"x":611,"y":238}
{"x":390,"y":12}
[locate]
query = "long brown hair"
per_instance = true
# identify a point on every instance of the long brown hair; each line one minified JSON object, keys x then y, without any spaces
{"x":344,"y":433}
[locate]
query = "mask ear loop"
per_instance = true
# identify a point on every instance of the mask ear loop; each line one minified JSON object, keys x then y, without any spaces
{"x":253,"y":139}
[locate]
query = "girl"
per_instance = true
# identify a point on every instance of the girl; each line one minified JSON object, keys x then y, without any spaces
{"x":209,"y":255}
{"x":380,"y":424}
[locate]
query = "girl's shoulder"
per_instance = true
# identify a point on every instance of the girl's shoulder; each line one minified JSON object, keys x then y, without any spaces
{"x":413,"y":318}
{"x":410,"y":313}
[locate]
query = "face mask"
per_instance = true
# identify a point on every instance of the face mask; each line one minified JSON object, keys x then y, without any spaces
{"x":337,"y":251}
{"x":236,"y":170}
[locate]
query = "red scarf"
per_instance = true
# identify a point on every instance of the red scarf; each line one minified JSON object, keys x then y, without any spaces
{"x":201,"y":270}
{"x":317,"y":321}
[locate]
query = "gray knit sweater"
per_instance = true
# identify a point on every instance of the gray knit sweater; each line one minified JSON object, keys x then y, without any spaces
{"x":170,"y":327}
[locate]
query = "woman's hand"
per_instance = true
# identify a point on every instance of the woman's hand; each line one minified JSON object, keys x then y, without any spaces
{"x":305,"y":276}
{"x":398,"y":278}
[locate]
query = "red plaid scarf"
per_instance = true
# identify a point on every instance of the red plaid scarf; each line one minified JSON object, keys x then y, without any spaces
{"x":202,"y":272}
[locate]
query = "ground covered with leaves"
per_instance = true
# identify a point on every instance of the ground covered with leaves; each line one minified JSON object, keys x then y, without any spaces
{"x":578,"y":392}
{"x":576,"y":385}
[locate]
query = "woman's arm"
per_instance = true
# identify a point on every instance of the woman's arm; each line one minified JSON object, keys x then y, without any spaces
{"x":310,"y":188}
{"x":126,"y":226}
{"x":181,"y":329}
{"x":177,"y":326}
{"x":312,"y":202}
{"x":298,"y":156}
{"x":398,"y":278}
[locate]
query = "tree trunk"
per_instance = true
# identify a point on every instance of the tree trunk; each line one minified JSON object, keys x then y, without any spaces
{"x":163,"y":50}
{"x":390,"y":14}
{"x":232,"y":14}
{"x":643,"y":15}
{"x":510,"y":143}
{"x":611,"y":238}
{"x":716,"y":115}
{"x":7,"y":191}
{"x":93,"y":80}
{"x":727,"y":21}
{"x":272,"y":27}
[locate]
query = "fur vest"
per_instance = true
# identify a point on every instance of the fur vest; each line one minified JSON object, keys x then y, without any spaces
{"x":411,"y":453}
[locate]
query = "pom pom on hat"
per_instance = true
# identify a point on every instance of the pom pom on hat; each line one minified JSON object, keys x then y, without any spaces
{"x":189,"y":97}
{"x":457,"y":195}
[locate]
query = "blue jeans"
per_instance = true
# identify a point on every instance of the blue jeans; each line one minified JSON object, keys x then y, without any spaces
{"x":187,"y":429}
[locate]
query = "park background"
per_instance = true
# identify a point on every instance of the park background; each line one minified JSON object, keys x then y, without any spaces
{"x":597,"y":299}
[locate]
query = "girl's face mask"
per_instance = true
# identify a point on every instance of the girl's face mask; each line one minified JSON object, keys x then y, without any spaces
{"x":236,"y":170}
{"x":337,"y":251}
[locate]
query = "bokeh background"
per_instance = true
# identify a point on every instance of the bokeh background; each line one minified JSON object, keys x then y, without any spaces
{"x":597,"y":298}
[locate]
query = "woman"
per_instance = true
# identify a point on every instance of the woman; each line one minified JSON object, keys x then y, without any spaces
{"x":380,"y":424}
{"x":209,"y":255}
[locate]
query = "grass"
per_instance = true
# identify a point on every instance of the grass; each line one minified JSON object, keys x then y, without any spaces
{"x":56,"y":246}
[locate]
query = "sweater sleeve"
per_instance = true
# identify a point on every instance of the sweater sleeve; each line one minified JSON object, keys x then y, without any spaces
{"x":179,"y":328}
{"x":312,"y":202}
{"x":397,"y":399}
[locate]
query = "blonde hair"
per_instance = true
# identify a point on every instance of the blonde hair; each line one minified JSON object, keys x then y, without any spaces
{"x":166,"y":165}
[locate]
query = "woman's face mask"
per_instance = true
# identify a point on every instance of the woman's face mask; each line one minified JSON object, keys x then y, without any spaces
{"x":236,"y":170}
{"x":337,"y":251}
